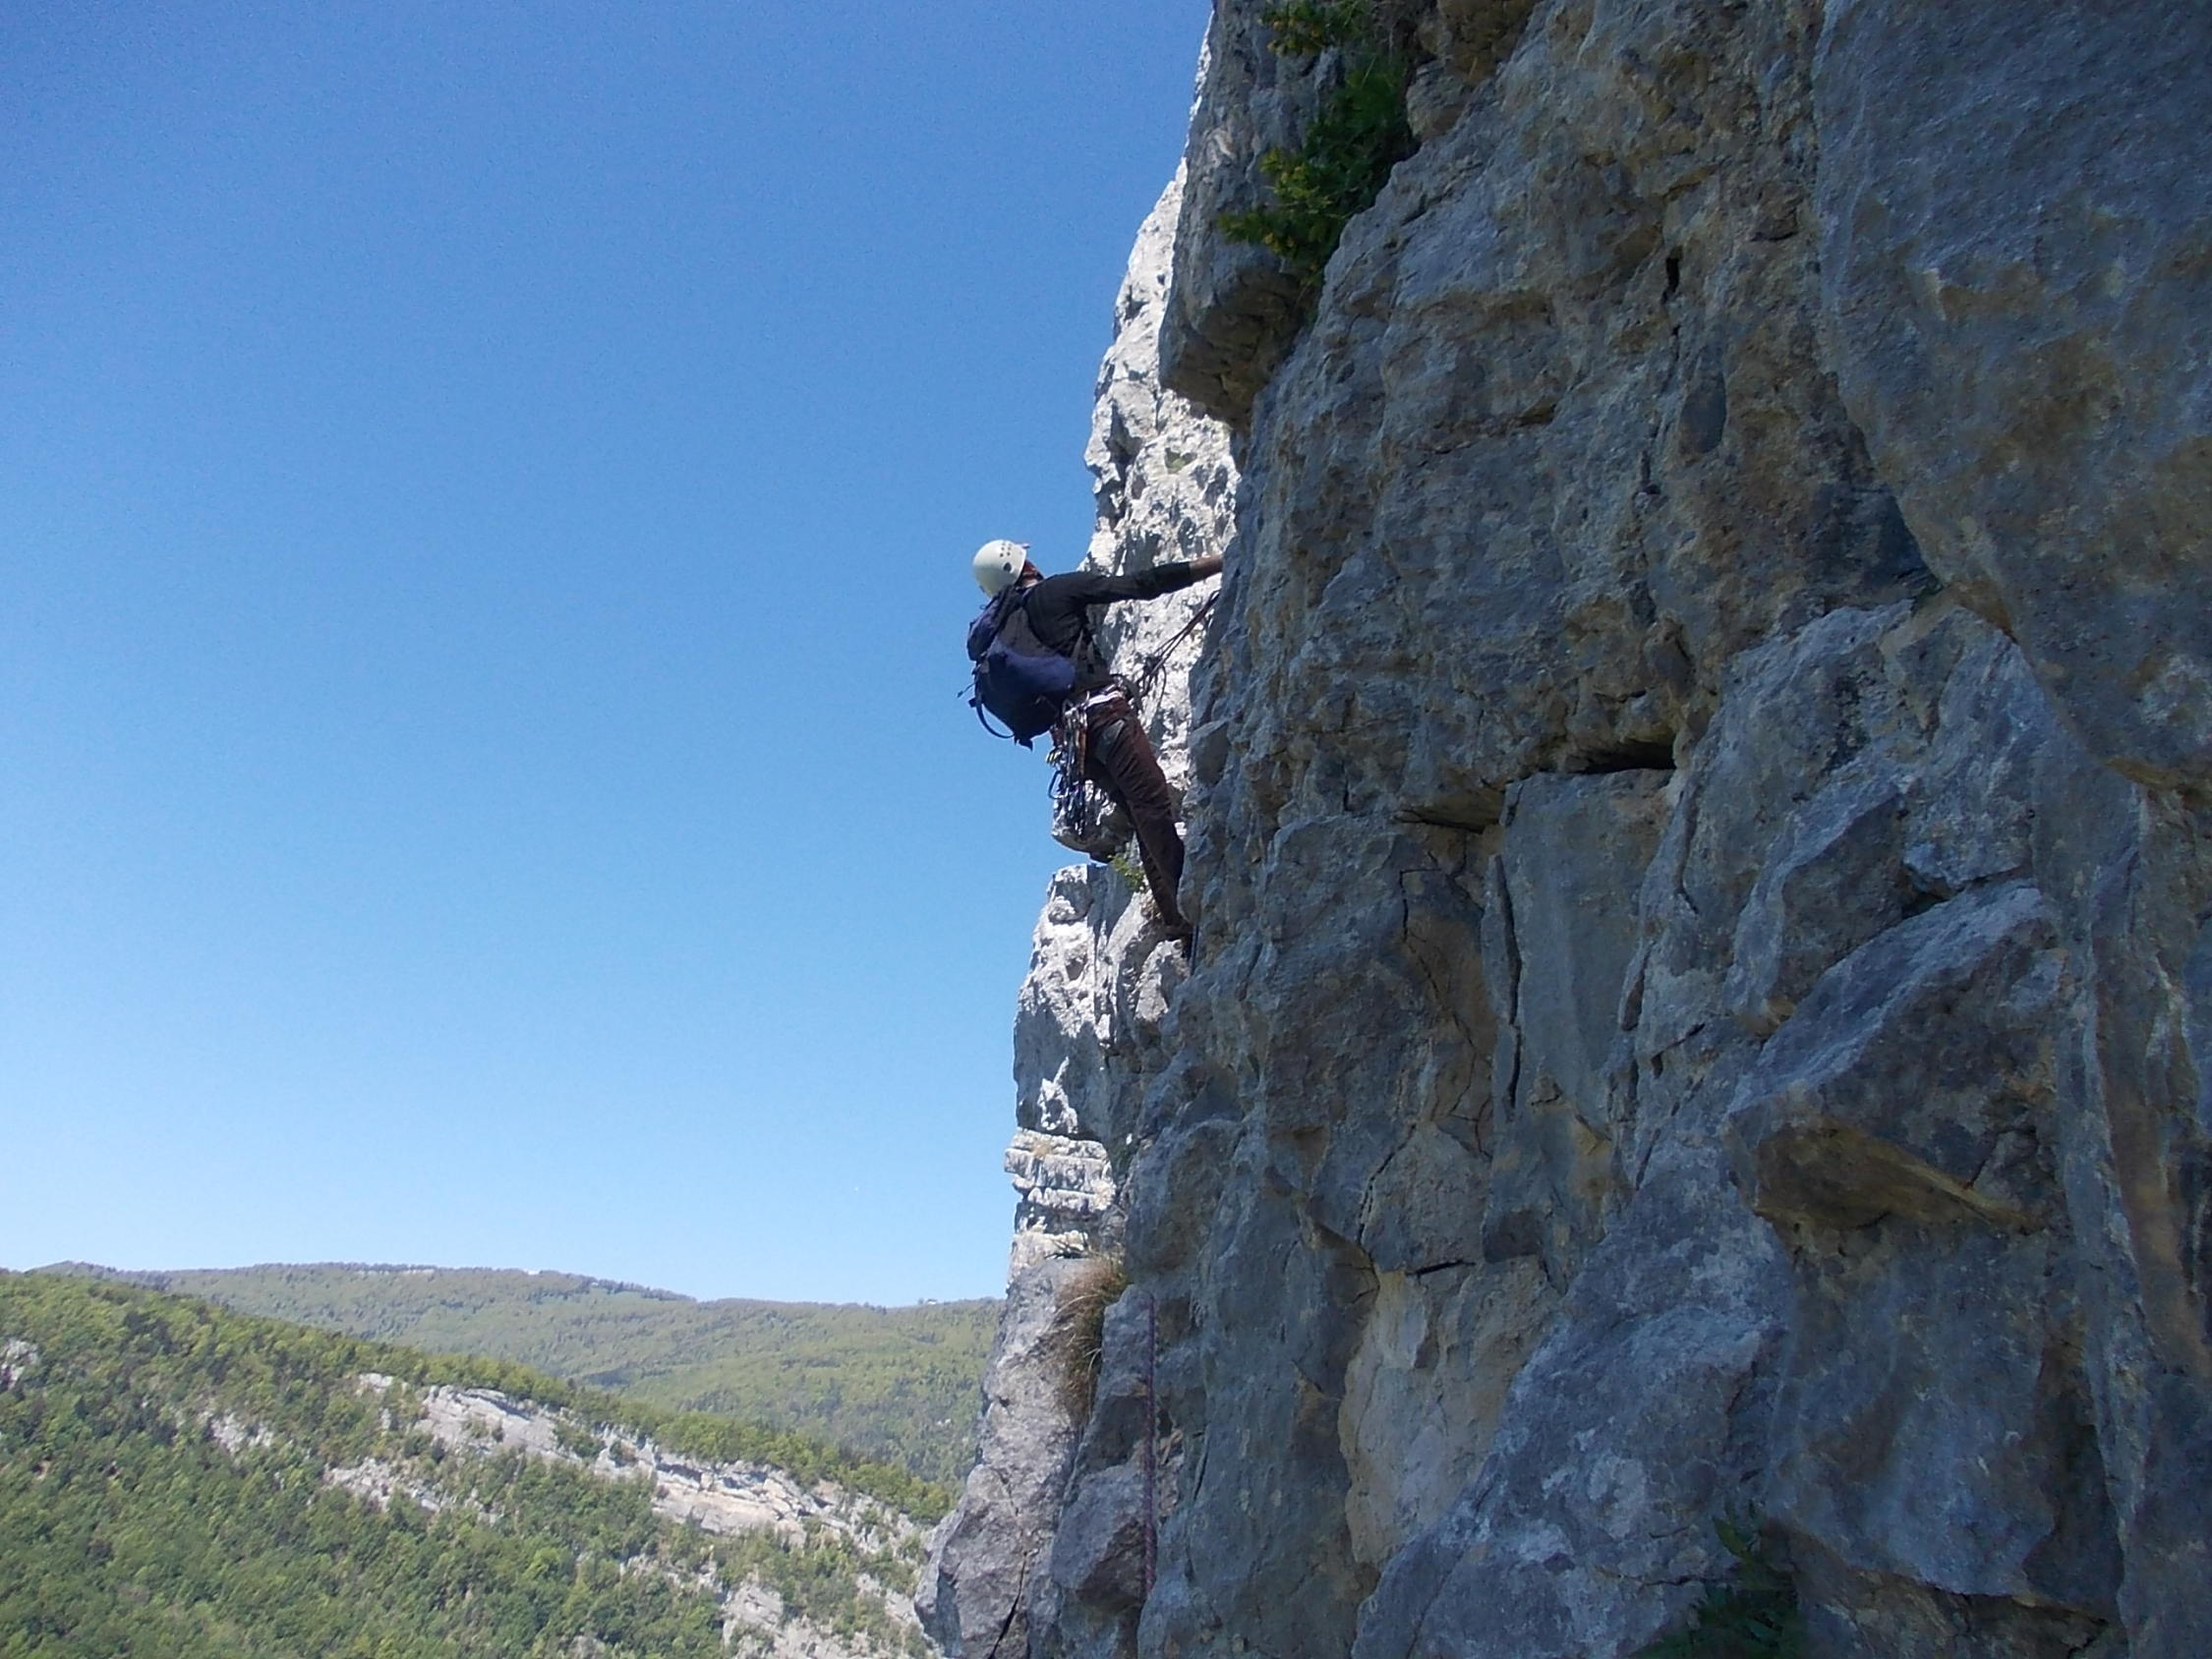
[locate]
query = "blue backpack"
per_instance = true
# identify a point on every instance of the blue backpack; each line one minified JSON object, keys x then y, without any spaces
{"x":1023,"y":687}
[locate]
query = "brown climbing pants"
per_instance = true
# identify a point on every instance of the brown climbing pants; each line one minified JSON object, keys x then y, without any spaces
{"x":1118,"y":758}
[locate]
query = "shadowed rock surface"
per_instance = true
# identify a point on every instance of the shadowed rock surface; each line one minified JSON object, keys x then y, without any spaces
{"x":1697,"y":799}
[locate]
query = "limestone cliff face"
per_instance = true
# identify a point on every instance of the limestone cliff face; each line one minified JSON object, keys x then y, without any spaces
{"x":1698,"y":786}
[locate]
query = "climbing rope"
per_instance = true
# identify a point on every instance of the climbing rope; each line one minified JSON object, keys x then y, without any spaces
{"x":1148,"y":675}
{"x":1152,"y":1443}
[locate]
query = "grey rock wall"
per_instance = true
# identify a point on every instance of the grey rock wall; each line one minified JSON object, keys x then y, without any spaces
{"x":1697,"y":796}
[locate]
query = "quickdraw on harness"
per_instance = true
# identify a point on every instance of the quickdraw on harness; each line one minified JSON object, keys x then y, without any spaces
{"x":1085,"y":818}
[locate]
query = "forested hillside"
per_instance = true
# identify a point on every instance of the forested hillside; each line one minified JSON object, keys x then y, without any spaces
{"x":901,"y":1385}
{"x":181,"y":1481}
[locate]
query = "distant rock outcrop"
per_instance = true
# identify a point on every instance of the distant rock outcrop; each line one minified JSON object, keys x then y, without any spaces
{"x":1698,"y":791}
{"x":719,"y":1499}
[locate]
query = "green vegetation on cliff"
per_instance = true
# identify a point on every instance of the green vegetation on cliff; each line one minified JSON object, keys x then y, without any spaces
{"x":894,"y":1385}
{"x":1355,"y":138}
{"x":1752,"y":1616}
{"x":167,"y":1488}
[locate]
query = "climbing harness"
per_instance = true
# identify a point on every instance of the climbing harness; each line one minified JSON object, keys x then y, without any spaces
{"x":1086,"y":817}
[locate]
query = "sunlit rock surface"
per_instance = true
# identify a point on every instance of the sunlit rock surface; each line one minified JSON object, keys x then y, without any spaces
{"x":1697,"y":797}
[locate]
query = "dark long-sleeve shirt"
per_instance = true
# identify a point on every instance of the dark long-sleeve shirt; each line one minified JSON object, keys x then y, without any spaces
{"x":1058,"y":608}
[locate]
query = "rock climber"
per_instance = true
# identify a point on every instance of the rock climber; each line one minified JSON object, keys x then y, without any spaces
{"x":1037,"y":667}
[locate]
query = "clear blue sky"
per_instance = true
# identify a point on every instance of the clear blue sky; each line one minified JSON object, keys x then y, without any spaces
{"x":485,"y":500}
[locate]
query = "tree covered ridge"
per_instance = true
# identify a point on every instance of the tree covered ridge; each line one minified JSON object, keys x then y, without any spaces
{"x":165,"y":1490}
{"x":892,"y":1385}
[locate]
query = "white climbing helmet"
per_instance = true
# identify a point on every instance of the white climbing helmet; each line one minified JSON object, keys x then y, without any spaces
{"x":999,"y":565}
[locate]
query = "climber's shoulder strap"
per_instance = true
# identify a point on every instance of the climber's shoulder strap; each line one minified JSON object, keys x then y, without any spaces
{"x":985,"y":628}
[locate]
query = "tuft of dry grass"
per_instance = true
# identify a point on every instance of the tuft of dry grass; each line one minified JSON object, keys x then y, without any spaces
{"x":1079,"y":1327}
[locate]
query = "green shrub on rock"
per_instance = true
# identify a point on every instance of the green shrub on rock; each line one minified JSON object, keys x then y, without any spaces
{"x":1359,"y":134}
{"x":1752,"y":1616}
